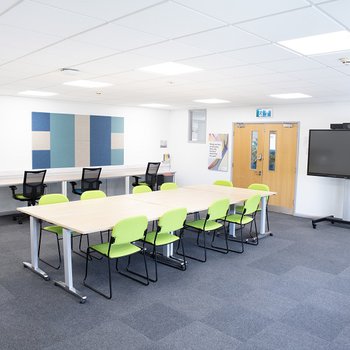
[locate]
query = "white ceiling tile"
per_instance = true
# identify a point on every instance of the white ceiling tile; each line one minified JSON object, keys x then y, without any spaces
{"x":245,"y":71}
{"x":295,"y":64}
{"x":118,"y":37}
{"x":259,"y":54}
{"x":223,"y":39}
{"x":117,"y":63}
{"x":169,"y":20}
{"x":6,"y":5}
{"x":214,"y":61}
{"x":171,"y":50}
{"x":106,"y":10}
{"x":15,"y":42}
{"x":242,"y":10}
{"x":339,"y":10}
{"x":67,"y":53}
{"x":45,"y":19}
{"x":290,"y":25}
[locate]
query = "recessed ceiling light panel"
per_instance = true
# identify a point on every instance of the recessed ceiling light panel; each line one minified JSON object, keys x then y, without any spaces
{"x":292,"y":95}
{"x":89,"y":84}
{"x":318,"y":44}
{"x":154,"y":105}
{"x":170,"y":68}
{"x":37,"y":93}
{"x":212,"y":101}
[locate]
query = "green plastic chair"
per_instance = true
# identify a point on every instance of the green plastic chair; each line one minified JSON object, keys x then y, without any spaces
{"x":121,"y":244}
{"x":48,"y":199}
{"x":223,"y":183}
{"x":258,"y":187}
{"x":168,"y":186}
{"x":93,"y":194}
{"x":216,"y":211}
{"x":247,"y":216}
{"x":141,"y":189}
{"x":171,"y":221}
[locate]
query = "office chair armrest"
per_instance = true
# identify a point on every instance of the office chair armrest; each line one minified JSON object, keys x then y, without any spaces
{"x":73,"y":183}
{"x":137,"y":178}
{"x":13,"y":189}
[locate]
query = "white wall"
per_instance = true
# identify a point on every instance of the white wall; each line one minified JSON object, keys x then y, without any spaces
{"x":315,"y":196}
{"x":143,"y":130}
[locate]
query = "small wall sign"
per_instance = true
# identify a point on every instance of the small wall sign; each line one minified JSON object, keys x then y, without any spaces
{"x":263,"y":112}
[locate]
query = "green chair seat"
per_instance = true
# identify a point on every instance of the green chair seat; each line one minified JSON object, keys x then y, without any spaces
{"x":20,"y":197}
{"x":117,"y":251}
{"x":58,"y":230}
{"x":162,"y":238}
{"x":236,"y":219}
{"x":209,"y":225}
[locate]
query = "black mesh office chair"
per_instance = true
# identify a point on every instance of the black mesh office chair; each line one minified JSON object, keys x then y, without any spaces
{"x":90,"y":181}
{"x":150,"y":176}
{"x":33,"y":189}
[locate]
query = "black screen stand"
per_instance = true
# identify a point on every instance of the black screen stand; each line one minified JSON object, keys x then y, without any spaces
{"x":346,"y":209}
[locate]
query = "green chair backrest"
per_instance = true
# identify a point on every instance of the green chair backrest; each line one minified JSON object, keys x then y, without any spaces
{"x":218,"y":209}
{"x":141,"y":189}
{"x":172,"y":220}
{"x":259,"y":187}
{"x":168,"y":186}
{"x":93,"y":194}
{"x":251,"y":204}
{"x":53,"y":198}
{"x":130,"y":229}
{"x":223,"y":183}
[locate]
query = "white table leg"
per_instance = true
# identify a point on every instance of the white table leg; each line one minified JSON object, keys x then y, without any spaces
{"x":263,"y":216}
{"x":127,"y":184}
{"x":67,"y":285}
{"x":64,"y":187}
{"x":34,"y":247}
{"x":232,"y":226}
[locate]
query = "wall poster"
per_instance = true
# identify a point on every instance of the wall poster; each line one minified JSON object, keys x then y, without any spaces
{"x":72,"y":140}
{"x":218,"y":152}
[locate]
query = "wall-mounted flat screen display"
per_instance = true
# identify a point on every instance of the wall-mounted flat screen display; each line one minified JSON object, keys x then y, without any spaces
{"x":329,"y":153}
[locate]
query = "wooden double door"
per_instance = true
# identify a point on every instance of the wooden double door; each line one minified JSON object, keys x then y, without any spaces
{"x":266,"y":153}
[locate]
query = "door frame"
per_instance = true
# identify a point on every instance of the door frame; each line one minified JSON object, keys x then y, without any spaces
{"x":273,"y":207}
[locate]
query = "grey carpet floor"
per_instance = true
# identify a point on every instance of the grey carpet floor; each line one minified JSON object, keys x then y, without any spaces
{"x":290,"y":292}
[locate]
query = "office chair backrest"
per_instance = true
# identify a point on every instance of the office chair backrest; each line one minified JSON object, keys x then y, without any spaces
{"x":53,"y":198}
{"x":251,"y":204}
{"x":168,"y":186}
{"x":90,"y":179}
{"x":141,"y":189}
{"x":33,"y":184}
{"x":218,"y":209}
{"x":151,"y":174}
{"x":172,"y":220}
{"x":93,"y":194}
{"x":130,"y":229}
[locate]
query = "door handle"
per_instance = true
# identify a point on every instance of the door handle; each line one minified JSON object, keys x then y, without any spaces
{"x":259,"y":173}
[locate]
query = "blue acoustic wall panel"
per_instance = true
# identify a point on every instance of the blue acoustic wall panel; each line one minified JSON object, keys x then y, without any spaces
{"x":100,"y":140}
{"x":41,"y":159}
{"x":68,"y":140}
{"x":62,"y":140}
{"x":40,"y":121}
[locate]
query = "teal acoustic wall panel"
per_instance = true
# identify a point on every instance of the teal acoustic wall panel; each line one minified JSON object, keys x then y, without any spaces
{"x":68,"y":140}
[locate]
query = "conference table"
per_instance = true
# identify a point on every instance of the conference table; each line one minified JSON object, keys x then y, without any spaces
{"x":85,"y":217}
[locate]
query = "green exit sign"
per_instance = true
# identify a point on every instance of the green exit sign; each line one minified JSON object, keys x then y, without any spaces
{"x":264,"y":113}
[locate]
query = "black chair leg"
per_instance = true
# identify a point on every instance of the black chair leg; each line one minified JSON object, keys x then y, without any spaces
{"x":58,"y":249}
{"x":143,"y":277}
{"x":109,"y":278}
{"x":238,"y":241}
{"x":205,"y":250}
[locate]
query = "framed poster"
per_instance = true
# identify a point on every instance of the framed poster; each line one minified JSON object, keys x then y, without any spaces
{"x":218,"y":152}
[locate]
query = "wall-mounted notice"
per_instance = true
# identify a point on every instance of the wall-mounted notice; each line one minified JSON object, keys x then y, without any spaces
{"x":264,"y":113}
{"x":218,"y":152}
{"x":71,"y":140}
